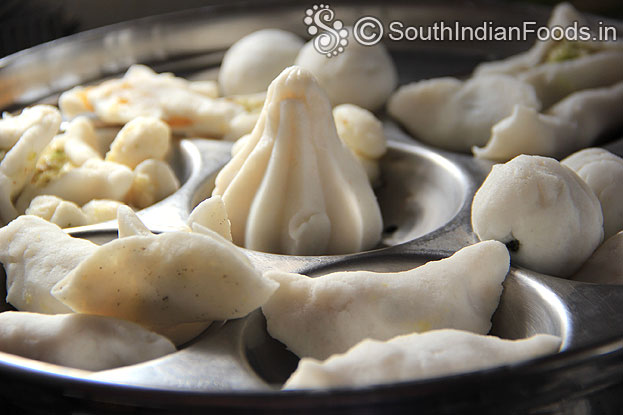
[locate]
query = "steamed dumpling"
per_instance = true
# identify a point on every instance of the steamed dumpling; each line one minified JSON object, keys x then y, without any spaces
{"x":36,"y":254}
{"x":22,"y":139}
{"x":251,"y":63}
{"x":80,"y":341}
{"x":548,"y":216}
{"x":417,"y":356}
{"x":573,"y":123}
{"x":361,"y":75}
{"x":187,"y":107}
{"x":456,"y":115}
{"x":293,"y":187}
{"x":131,"y":225}
{"x":321,"y":316}
{"x":603,"y":172}
{"x":164,"y":280}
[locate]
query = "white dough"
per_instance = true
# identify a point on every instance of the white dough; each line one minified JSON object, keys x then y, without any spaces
{"x":363,"y":134}
{"x":164,"y":280}
{"x":554,"y":81}
{"x":456,"y":115}
{"x":548,"y":215}
{"x":417,"y":356}
{"x":142,"y":92}
{"x":22,"y":139}
{"x":58,"y":211}
{"x":95,"y":179}
{"x":80,"y":341}
{"x":140,"y":139}
{"x":36,"y":254}
{"x":361,"y":75}
{"x":251,"y":63}
{"x":605,"y":266}
{"x":101,"y":210}
{"x":130,"y":224}
{"x":79,"y":142}
{"x":573,"y":123}
{"x":153,"y":181}
{"x":527,"y":131}
{"x":564,"y":15}
{"x":212,"y":214}
{"x":321,"y":316}
{"x":294,"y":187}
{"x":603,"y":172}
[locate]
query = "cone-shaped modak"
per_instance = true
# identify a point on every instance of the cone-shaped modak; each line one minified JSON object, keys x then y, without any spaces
{"x":294,"y":188}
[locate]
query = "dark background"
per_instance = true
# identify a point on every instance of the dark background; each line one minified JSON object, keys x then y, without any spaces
{"x":25,"y":23}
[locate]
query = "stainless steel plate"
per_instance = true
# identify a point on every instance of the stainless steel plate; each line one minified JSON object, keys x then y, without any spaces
{"x":425,"y":198}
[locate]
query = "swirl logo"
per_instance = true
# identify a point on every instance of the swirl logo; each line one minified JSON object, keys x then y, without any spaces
{"x":330,"y":35}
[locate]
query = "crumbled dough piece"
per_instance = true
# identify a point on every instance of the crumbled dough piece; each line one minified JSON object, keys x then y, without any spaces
{"x":80,"y":341}
{"x":294,"y":187}
{"x":57,"y":211}
{"x":320,"y":316}
{"x":363,"y":134}
{"x":153,"y":181}
{"x":548,"y":216}
{"x":603,"y":172}
{"x":417,"y":356}
{"x":140,"y":139}
{"x":251,"y":63}
{"x":68,"y":214}
{"x":22,"y":139}
{"x":361,"y":75}
{"x":95,"y":179}
{"x":142,"y":92}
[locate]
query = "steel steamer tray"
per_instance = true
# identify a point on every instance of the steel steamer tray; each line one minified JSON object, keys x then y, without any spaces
{"x":425,"y":198}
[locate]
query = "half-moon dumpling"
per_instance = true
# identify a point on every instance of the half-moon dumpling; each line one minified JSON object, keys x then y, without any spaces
{"x":321,"y":316}
{"x":80,"y":341}
{"x":293,"y":187}
{"x":36,"y":254}
{"x":417,"y":356}
{"x":164,"y":280}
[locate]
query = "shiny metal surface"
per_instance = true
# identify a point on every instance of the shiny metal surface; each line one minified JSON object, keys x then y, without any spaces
{"x":425,"y":199}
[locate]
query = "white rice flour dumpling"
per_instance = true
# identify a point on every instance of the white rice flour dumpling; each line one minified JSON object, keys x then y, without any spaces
{"x":321,"y":316}
{"x":294,"y":187}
